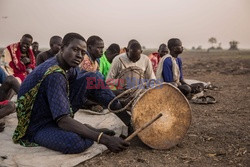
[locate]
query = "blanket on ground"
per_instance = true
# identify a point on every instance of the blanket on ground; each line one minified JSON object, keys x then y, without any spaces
{"x":16,"y":155}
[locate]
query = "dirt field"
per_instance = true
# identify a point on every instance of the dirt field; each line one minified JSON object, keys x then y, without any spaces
{"x":219,"y":133}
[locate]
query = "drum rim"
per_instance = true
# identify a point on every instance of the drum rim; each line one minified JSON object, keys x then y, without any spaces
{"x":186,"y":100}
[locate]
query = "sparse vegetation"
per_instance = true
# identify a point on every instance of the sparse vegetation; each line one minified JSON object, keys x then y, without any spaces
{"x":233,"y":45}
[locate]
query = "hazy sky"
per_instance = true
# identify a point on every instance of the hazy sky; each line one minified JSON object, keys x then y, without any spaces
{"x":151,"y":22}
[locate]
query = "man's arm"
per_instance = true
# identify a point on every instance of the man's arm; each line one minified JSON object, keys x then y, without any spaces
{"x":114,"y":69}
{"x":181,"y":73}
{"x":167,"y":72}
{"x":6,"y":59}
{"x":114,"y":144}
{"x":149,"y":73}
{"x":39,"y":58}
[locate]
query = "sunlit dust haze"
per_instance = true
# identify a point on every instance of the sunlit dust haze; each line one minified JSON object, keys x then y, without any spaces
{"x":151,"y":22}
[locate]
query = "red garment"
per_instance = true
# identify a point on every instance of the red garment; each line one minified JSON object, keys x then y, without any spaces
{"x":155,"y":59}
{"x":16,"y":64}
{"x":3,"y":103}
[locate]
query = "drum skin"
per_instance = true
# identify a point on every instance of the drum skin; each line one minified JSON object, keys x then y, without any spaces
{"x":168,"y":130}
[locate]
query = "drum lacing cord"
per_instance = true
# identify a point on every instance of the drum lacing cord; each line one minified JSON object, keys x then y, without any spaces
{"x":134,"y":91}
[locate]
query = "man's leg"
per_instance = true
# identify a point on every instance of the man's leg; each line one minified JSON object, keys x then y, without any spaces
{"x":7,"y":109}
{"x":89,"y":86}
{"x":6,"y":89}
{"x":85,"y":87}
{"x":2,"y":126}
{"x":185,"y":89}
{"x":197,"y":87}
{"x":54,"y":138}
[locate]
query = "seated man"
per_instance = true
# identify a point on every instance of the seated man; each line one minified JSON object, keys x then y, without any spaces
{"x":19,"y":59}
{"x":8,"y":83}
{"x":156,"y":56}
{"x":132,"y":58}
{"x":35,"y":48}
{"x":107,"y":58}
{"x":55,"y":45}
{"x":45,"y":116}
{"x":170,"y":67}
{"x":90,"y":61}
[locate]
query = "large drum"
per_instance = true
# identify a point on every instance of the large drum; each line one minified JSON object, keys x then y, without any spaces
{"x":169,"y":129}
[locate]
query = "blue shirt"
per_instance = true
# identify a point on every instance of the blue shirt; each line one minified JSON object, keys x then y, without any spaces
{"x":3,"y":75}
{"x":51,"y":101}
{"x":167,"y":71}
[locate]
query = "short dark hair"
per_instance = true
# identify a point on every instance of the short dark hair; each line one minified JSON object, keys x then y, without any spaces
{"x":70,"y":37}
{"x":135,"y":46}
{"x":172,"y":42}
{"x":131,"y":42}
{"x":162,"y":45}
{"x":54,"y":39}
{"x":27,"y":36}
{"x":93,"y":39}
{"x":114,"y":48}
{"x":35,"y":43}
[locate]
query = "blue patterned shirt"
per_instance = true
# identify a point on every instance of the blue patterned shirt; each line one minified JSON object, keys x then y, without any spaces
{"x":51,"y":101}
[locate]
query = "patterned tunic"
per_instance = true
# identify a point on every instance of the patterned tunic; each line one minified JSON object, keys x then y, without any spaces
{"x":53,"y":101}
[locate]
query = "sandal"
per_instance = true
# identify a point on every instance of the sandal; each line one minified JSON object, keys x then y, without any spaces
{"x":204,"y":100}
{"x":210,"y":100}
{"x":199,"y":100}
{"x":211,"y":87}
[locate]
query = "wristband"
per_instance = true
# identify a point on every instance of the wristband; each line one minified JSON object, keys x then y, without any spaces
{"x":99,"y":137}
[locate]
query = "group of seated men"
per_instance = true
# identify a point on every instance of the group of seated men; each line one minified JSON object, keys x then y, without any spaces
{"x":54,"y":89}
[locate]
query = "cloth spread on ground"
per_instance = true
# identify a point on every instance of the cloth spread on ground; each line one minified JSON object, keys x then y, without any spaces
{"x":16,"y":155}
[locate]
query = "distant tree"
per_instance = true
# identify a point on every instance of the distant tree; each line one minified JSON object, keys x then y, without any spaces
{"x":219,"y":46}
{"x":233,"y":45}
{"x":199,"y":47}
{"x":193,"y":48}
{"x":212,"y":40}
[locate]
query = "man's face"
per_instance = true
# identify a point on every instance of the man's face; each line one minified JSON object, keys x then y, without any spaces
{"x":35,"y":46}
{"x":74,"y":52}
{"x":96,"y":50}
{"x":56,"y":46}
{"x":25,"y":43}
{"x":178,"y":49}
{"x":163,"y":51}
{"x":134,"y":54}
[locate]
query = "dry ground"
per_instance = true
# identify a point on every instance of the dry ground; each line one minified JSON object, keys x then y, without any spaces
{"x":219,"y":133}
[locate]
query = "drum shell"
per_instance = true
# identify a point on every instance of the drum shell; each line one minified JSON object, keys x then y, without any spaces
{"x":171,"y":128}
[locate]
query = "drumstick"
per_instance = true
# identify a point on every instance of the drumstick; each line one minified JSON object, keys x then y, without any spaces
{"x":143,"y":127}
